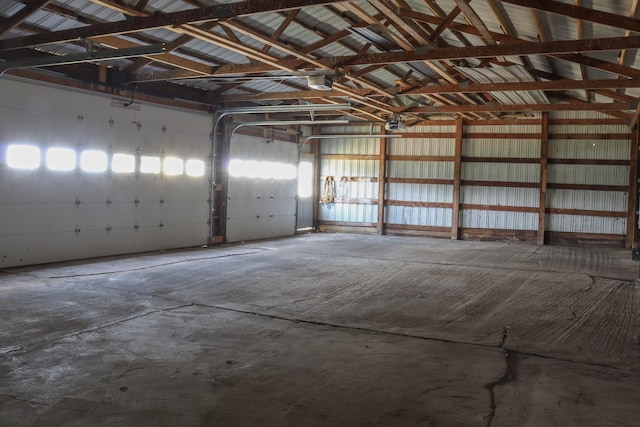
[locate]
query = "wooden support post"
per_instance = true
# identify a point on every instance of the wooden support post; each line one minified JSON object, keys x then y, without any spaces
{"x":457,"y":172}
{"x":382,"y":175}
{"x":632,"y":203}
{"x":316,"y":178}
{"x":544,"y":149}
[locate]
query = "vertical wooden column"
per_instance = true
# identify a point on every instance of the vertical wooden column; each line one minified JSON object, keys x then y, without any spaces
{"x":382,"y":175}
{"x":544,"y":150}
{"x":632,"y":203}
{"x":457,"y":172}
{"x":316,"y":178}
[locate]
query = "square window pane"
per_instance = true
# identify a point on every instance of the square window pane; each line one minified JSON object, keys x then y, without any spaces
{"x":23,"y":156}
{"x":149,"y":164}
{"x":173,"y":166}
{"x":93,"y":161}
{"x":60,"y":159}
{"x":123,"y":163}
{"x":195,"y":167}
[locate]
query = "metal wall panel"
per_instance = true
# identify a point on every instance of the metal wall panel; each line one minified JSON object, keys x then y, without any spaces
{"x":587,"y":224}
{"x":507,"y":172}
{"x":472,"y":218}
{"x":433,"y":128}
{"x":349,"y":213}
{"x":429,"y":170}
{"x":615,"y":201}
{"x":350,"y":168}
{"x":589,"y":174}
{"x":346,"y":145}
{"x":560,"y":115}
{"x":435,"y":193}
{"x":261,"y":208}
{"x":529,"y":148}
{"x":421,"y":147}
{"x":52,"y":216}
{"x":500,"y":196}
{"x":533,"y":129}
{"x":339,"y":168}
{"x":589,"y":128}
{"x":435,"y":217}
{"x":420,"y":192}
{"x":604,"y":149}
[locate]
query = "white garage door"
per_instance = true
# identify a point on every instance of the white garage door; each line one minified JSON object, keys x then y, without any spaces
{"x":261,"y":199}
{"x":92,"y":188}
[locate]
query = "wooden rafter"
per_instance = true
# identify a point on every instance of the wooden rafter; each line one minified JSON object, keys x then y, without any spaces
{"x":544,"y":35}
{"x":413,"y":73}
{"x":623,"y":57}
{"x":578,"y":12}
{"x":283,"y":26}
{"x":580,"y":29}
{"x":507,"y":25}
{"x":553,"y":47}
{"x":593,"y":106}
{"x":212,"y":13}
{"x":22,"y":15}
{"x":613,"y":68}
{"x":475,"y":19}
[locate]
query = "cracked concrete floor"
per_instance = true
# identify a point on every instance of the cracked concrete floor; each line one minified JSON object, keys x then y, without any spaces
{"x":325,"y":329}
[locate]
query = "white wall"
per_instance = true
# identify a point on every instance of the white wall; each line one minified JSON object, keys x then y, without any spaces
{"x":48,"y":216}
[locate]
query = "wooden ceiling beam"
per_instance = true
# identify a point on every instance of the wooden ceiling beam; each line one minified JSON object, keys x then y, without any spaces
{"x":212,"y":13}
{"x":326,"y":41}
{"x":165,"y":58}
{"x":544,"y":35}
{"x":403,"y":26}
{"x":289,"y":50}
{"x":20,"y":16}
{"x":298,"y":94}
{"x":283,"y":26}
{"x":507,"y":49}
{"x":623,"y":58}
{"x":475,"y":20}
{"x":580,"y":30}
{"x":445,"y":24}
{"x":556,"y":85}
{"x":507,"y":25}
{"x":494,"y":107}
{"x":572,"y":57}
{"x":578,"y":12}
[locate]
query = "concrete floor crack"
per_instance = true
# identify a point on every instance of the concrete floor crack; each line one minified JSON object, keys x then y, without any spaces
{"x":509,"y":374}
{"x":502,"y":345}
{"x":505,"y":333}
{"x":483,"y":267}
{"x":97,"y":328}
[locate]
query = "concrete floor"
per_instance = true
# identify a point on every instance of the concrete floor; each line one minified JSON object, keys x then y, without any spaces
{"x":325,"y":329}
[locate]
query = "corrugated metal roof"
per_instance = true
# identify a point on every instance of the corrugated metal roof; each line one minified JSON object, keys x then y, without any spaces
{"x":509,"y":74}
{"x":313,"y":23}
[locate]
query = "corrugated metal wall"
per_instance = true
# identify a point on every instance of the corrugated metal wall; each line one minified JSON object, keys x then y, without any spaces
{"x":604,"y":178}
{"x":587,"y":174}
{"x":493,"y":144}
{"x":434,"y":193}
{"x":355,"y":177}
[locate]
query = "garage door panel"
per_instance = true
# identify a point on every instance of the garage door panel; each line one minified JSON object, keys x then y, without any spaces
{"x":261,"y":207}
{"x":243,"y":207}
